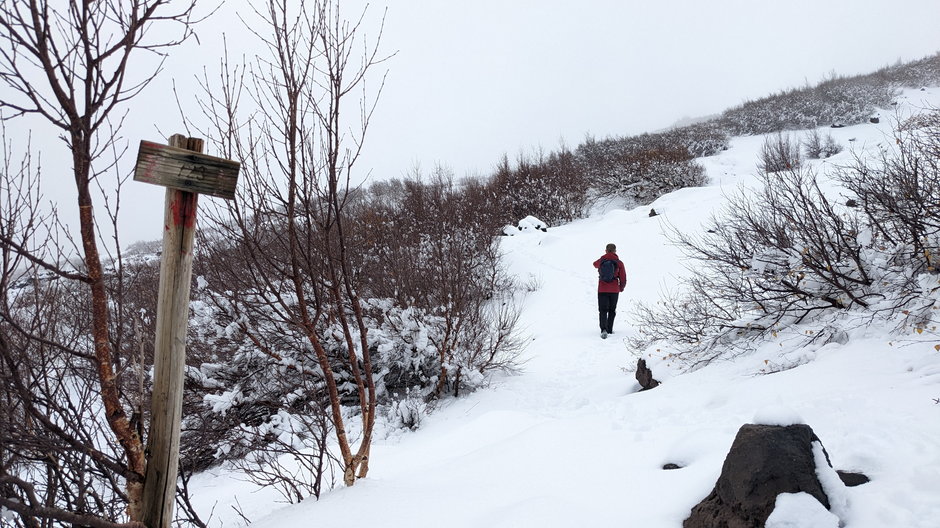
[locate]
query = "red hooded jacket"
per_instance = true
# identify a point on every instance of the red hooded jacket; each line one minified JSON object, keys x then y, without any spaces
{"x":616,"y":286}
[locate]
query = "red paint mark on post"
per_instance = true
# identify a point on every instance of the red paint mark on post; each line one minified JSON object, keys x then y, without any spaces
{"x":183,"y":207}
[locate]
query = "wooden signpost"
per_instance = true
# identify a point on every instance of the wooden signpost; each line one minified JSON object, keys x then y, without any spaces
{"x":186,"y":172}
{"x":186,"y":168}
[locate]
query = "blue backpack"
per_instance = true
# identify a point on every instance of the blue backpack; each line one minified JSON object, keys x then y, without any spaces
{"x":608,"y":270}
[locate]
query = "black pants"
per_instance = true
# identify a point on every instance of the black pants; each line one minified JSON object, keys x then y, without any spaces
{"x":607,"y":306}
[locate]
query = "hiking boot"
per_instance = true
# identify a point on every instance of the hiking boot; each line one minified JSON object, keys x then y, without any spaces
{"x":603,"y":334}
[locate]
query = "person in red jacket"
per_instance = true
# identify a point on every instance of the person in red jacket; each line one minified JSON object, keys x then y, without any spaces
{"x":608,"y":291}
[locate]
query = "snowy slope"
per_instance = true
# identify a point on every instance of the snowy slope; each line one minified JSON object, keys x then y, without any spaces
{"x":569,"y":441}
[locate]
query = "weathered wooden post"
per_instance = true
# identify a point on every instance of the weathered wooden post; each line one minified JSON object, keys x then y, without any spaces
{"x":186,"y":173}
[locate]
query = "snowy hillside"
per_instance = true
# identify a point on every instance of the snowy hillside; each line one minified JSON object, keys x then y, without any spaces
{"x":570,"y":442}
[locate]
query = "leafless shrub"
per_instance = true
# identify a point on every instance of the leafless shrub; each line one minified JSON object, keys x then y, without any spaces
{"x":637,"y":170}
{"x":839,"y":99}
{"x":551,"y":187}
{"x":285,"y":276}
{"x":700,"y":139}
{"x":440,"y":258}
{"x":899,"y":192}
{"x":187,"y":514}
{"x":817,"y":146}
{"x":791,"y":255}
{"x":687,"y":317}
{"x":767,"y":262}
{"x":290,"y":454}
{"x":408,"y":411}
{"x":779,"y":153}
{"x":491,"y":341}
{"x":52,"y":434}
{"x":532,"y":283}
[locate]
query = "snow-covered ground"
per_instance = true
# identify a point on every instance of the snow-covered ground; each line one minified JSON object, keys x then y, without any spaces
{"x":570,"y":441}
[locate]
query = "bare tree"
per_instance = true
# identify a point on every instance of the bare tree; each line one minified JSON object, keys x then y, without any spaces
{"x":287,"y":231}
{"x":59,"y":460}
{"x":69,"y":64}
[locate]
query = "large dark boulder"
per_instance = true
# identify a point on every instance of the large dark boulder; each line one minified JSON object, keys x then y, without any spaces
{"x":764,"y":461}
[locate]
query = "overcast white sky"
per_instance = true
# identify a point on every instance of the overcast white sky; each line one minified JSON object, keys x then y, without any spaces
{"x":474,"y":80}
{"x":471,"y":81}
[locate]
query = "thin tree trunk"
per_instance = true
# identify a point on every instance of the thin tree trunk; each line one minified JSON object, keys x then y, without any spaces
{"x":115,"y":414}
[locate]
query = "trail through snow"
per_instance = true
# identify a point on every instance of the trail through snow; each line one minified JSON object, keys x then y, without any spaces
{"x":569,"y":441}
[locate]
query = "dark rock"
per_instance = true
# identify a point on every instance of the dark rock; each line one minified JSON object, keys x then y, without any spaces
{"x":851,"y":203}
{"x":852,"y":479}
{"x":645,"y":376}
{"x":764,"y":461}
{"x":671,"y":466}
{"x":874,"y":120}
{"x":653,"y":213}
{"x":837,"y":125}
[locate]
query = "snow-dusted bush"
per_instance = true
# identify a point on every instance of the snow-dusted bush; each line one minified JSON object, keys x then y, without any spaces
{"x":819,"y":146}
{"x":767,"y":261}
{"x":436,"y":316}
{"x":917,"y":73}
{"x":847,"y":100}
{"x":792,"y":254}
{"x":551,"y":187}
{"x":430,"y":353}
{"x":779,"y":153}
{"x":640,"y":169}
{"x":701,"y":139}
{"x":288,"y":451}
{"x":898,"y":193}
{"x":838,"y":100}
{"x":264,"y":393}
{"x":407,"y":412}
{"x":440,"y":259}
{"x":557,"y":187}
